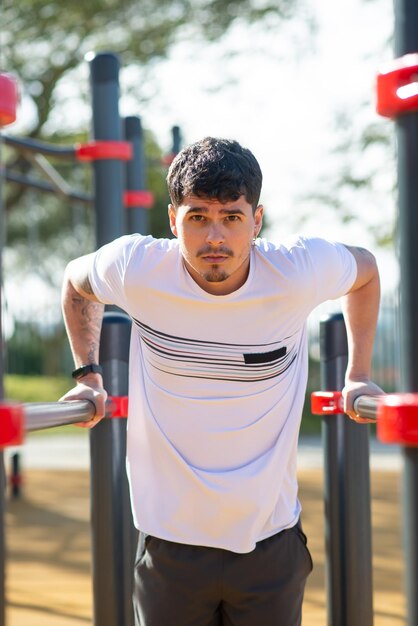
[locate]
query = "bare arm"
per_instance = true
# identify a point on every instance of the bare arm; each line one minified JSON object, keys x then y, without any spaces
{"x":360,"y":309}
{"x":83,"y":316}
{"x":83,"y":313}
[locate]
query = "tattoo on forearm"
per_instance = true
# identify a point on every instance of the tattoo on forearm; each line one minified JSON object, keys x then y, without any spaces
{"x":89,"y":316}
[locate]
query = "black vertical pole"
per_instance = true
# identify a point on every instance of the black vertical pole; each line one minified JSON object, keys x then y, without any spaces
{"x":333,"y":346}
{"x":107,"y":125}
{"x":406,"y":41}
{"x":116,"y":530}
{"x":347,"y":494}
{"x":176,"y":134}
{"x":137,"y":217}
{"x":110,"y":511}
{"x":2,"y":469}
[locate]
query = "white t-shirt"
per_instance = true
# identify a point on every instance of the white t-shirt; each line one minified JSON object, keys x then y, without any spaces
{"x":217,"y":384}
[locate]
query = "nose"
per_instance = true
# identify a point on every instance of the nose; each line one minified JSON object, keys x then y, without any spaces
{"x":215,"y":234}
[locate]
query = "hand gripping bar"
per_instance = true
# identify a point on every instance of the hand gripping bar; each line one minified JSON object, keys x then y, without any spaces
{"x":18,"y":419}
{"x":396,"y":414}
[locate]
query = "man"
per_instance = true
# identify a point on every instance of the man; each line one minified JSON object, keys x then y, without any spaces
{"x":218,"y":370}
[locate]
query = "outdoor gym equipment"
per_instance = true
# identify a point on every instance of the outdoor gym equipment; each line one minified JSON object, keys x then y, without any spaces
{"x":117,"y":154}
{"x":18,"y":419}
{"x":348,"y":549}
{"x":347,"y":479}
{"x":397,"y":97}
{"x":8,"y":110}
{"x":396,"y":414}
{"x":113,"y":533}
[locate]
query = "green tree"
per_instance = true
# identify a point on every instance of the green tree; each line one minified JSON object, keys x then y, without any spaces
{"x":358,"y":183}
{"x":362,"y":186}
{"x":44,"y":43}
{"x":45,"y":230}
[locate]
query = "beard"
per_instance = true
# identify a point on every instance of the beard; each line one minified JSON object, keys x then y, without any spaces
{"x":215,"y":275}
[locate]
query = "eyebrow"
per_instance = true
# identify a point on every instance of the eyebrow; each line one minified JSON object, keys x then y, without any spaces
{"x":222,"y":211}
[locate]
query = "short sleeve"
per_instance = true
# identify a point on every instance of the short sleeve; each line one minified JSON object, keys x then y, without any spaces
{"x":334,"y":268}
{"x":107,"y":274}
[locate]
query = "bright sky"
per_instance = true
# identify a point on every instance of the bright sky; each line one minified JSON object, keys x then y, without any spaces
{"x":278,"y":95}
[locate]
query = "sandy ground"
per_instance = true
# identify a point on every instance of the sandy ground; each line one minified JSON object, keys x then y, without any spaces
{"x":48,"y":539}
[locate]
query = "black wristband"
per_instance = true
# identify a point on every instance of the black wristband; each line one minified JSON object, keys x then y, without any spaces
{"x":86,"y":369}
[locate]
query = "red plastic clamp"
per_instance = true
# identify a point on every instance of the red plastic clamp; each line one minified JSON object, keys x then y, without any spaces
{"x":327,"y":403}
{"x":397,"y":419}
{"x":139,"y":198}
{"x":117,"y":406}
{"x":397,"y":86}
{"x":95,"y":150}
{"x":12,"y":424}
{"x":9,"y":97}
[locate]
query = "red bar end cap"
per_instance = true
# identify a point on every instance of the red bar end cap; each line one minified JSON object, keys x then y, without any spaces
{"x":397,"y":419}
{"x":397,"y":86}
{"x":327,"y":403}
{"x":11,"y":424}
{"x":9,"y":97}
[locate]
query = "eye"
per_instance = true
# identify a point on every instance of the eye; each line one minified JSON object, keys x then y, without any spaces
{"x":197,"y":218}
{"x":233,"y":218}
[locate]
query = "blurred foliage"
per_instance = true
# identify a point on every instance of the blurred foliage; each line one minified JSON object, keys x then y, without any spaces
{"x":45,"y":231}
{"x":361,"y":187}
{"x":43,"y":40}
{"x":37,"y":350}
{"x":44,"y":43}
{"x":36,"y":388}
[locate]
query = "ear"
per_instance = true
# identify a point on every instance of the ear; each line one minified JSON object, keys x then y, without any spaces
{"x":172,"y":218}
{"x":258,"y":219}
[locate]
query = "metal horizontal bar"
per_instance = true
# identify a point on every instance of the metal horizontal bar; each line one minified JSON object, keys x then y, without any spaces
{"x":28,"y":181}
{"x":41,"y":415}
{"x":51,"y":174}
{"x":33,"y":145}
{"x":366,"y":406}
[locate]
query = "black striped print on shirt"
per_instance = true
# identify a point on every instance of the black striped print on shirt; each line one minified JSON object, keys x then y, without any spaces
{"x":191,"y":358}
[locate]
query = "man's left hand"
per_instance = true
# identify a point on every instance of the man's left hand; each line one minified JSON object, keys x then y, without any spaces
{"x":355,"y":388}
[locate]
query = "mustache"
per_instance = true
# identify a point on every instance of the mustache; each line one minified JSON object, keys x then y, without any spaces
{"x":209,"y":251}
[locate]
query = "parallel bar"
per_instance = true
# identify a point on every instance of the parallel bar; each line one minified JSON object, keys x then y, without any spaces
{"x":108,"y":438}
{"x":42,"y":415}
{"x":333,"y":366}
{"x":136,"y":217}
{"x":2,"y":469}
{"x":366,"y":406}
{"x":114,"y":537}
{"x":108,"y":174}
{"x":176,"y":134}
{"x":32,"y":145}
{"x":406,"y":42}
{"x":347,"y":495}
{"x":41,"y":185}
{"x":2,"y":541}
{"x":40,"y":162}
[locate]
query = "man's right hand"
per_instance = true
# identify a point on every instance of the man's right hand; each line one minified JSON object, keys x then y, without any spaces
{"x":89,"y":389}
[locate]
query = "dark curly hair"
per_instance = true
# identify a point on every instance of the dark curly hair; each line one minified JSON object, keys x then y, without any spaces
{"x":215,"y":168}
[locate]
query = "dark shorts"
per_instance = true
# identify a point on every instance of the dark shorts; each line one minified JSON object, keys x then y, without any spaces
{"x":183,"y":585}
